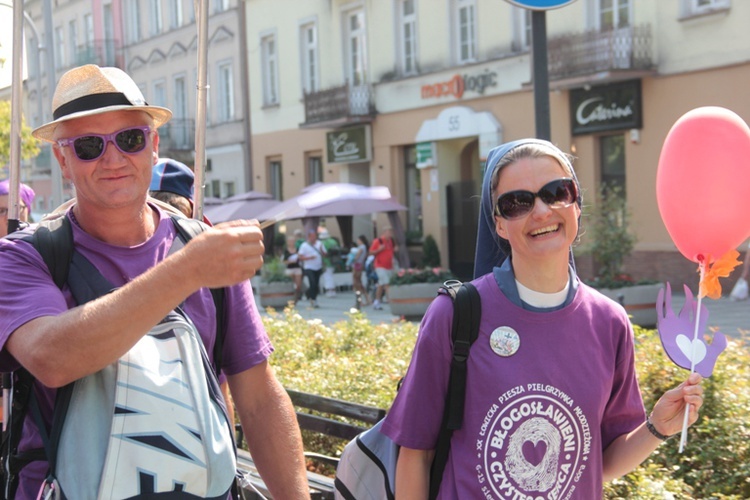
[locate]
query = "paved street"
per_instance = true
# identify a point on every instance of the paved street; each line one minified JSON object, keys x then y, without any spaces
{"x":731,"y":318}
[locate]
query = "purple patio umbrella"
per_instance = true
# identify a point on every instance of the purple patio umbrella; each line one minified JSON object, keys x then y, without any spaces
{"x":242,"y":206}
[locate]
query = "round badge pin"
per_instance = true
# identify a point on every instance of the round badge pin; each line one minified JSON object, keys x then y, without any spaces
{"x":505,"y":341}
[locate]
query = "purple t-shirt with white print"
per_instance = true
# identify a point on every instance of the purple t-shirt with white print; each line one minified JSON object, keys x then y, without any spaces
{"x":28,"y":292}
{"x":546,"y":393}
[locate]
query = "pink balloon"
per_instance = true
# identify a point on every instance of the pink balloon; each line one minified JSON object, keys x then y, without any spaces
{"x":702,"y":182}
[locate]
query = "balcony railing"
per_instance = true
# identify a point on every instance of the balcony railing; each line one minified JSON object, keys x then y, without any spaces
{"x":101,"y":52}
{"x":177,"y":135}
{"x":339,"y":104}
{"x":579,"y":54}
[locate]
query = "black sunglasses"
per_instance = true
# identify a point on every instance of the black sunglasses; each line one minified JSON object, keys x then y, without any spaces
{"x":89,"y":147}
{"x":559,"y":193}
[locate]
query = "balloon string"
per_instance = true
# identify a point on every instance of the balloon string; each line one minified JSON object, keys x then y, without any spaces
{"x":683,"y":436}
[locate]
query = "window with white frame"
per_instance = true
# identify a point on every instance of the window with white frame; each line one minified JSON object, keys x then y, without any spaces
{"x":314,"y":169}
{"x":175,"y":13}
{"x":521,"y":28}
{"x":308,"y":36}
{"x":222,"y":5}
{"x":32,"y":65}
{"x":88,"y":30}
{"x":225,"y":94}
{"x":269,"y":70}
{"x":699,"y":7}
{"x":133,"y":20}
{"x":465,"y":30}
{"x":155,"y":15}
{"x":614,"y":14}
{"x":73,"y":41}
{"x":407,"y":35}
{"x":275,"y":179}
{"x":355,"y":46}
{"x":215,"y":188}
{"x":229,"y":188}
{"x":59,"y":47}
{"x":160,"y":94}
{"x":180,"y":128}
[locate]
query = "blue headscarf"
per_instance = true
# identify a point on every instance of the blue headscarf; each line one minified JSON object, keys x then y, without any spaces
{"x":491,"y":249}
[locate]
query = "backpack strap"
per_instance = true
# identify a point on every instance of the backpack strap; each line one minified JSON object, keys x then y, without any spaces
{"x":53,"y":240}
{"x":189,"y":229}
{"x":467,"y":313}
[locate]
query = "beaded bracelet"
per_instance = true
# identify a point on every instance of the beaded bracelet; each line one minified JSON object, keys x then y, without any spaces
{"x":654,"y":432}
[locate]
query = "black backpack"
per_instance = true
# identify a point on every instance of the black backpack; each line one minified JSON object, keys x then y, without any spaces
{"x":367,"y":467}
{"x":54,"y":241}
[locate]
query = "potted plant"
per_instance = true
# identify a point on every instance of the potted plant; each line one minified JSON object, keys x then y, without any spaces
{"x":612,"y":242}
{"x":412,"y":290}
{"x":276,"y":289}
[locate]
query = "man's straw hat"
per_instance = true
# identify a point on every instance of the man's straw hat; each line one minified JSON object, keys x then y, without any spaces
{"x":91,"y":90}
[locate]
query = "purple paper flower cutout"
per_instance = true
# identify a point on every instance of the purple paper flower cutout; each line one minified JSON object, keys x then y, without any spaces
{"x":676,"y":333}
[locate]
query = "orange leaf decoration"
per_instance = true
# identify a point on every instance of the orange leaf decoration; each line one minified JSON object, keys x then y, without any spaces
{"x":721,"y":268}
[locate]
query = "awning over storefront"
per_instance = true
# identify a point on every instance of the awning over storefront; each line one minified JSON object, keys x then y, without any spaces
{"x":461,"y":121}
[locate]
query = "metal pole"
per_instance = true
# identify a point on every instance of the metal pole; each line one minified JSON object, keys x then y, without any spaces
{"x":15,"y":159}
{"x":201,"y":15}
{"x":540,"y":73}
{"x":15,"y":117}
{"x":55,"y":173}
{"x":37,"y":60}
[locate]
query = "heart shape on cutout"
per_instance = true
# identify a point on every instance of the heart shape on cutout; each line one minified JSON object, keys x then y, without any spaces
{"x":534,"y":452}
{"x":686,"y":346}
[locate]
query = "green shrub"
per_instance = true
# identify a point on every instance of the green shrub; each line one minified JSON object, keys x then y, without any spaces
{"x":612,"y":239}
{"x":358,"y":361}
{"x":430,"y":252}
{"x":411,"y":276}
{"x":274,"y":271}
{"x":716,"y":460}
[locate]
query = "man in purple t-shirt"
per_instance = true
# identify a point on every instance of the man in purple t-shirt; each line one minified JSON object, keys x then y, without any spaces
{"x":105,"y":139}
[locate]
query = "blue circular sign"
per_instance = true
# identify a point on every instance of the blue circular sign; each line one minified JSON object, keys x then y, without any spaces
{"x":540,"y":4}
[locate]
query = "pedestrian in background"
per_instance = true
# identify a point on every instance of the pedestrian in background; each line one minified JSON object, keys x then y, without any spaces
{"x":332,"y":249}
{"x":26,"y":199}
{"x":293,"y":268}
{"x":310,"y":255}
{"x":383,"y":249}
{"x":358,"y":267}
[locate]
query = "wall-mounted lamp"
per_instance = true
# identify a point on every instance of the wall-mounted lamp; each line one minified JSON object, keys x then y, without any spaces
{"x":573,"y":149}
{"x":635,"y":136}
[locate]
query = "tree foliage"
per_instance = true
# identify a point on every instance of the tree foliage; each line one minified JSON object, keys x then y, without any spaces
{"x":29,"y":145}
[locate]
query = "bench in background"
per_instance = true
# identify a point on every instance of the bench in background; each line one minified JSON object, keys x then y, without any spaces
{"x":321,"y":487}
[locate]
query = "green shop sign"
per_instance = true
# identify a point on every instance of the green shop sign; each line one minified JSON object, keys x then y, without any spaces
{"x":350,"y":145}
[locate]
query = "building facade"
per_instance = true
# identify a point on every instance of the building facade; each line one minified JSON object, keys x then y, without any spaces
{"x":155,"y":41}
{"x":422,"y":90}
{"x":161,"y":52}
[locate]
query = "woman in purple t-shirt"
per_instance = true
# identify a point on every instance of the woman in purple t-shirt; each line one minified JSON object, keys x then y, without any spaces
{"x":552,"y":404}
